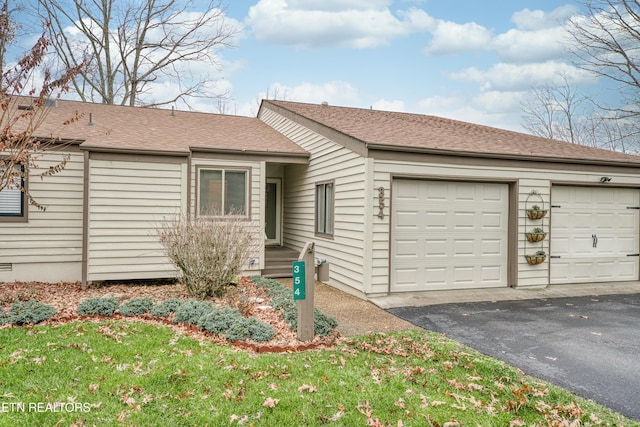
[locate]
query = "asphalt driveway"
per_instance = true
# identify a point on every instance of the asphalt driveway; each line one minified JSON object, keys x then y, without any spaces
{"x":589,"y":345}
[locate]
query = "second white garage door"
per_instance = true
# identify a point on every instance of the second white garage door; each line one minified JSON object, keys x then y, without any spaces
{"x":448,"y":235}
{"x":594,"y":234}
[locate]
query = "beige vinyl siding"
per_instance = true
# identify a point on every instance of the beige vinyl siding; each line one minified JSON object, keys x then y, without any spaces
{"x":49,"y":246}
{"x":256,"y":181}
{"x":127,"y":202}
{"x":329,"y":162}
{"x":527,"y":179}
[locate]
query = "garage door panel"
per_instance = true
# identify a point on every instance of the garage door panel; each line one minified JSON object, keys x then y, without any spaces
{"x":463,"y":247}
{"x":407,"y":248}
{"x":492,"y":247}
{"x":406,"y":220}
{"x":580,"y":213}
{"x":463,"y":227}
{"x":436,"y":247}
{"x":436,"y":220}
{"x":463,"y":221}
{"x":492,"y":220}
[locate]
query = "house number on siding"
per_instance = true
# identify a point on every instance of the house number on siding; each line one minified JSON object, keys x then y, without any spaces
{"x":381,"y":202}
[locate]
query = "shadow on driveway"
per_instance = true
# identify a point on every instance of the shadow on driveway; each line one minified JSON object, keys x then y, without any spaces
{"x":588,"y":345}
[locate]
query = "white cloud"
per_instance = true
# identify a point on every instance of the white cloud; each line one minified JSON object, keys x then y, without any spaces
{"x":534,"y":20}
{"x":504,"y":76}
{"x":497,"y":109}
{"x":314,"y":24}
{"x":530,"y":46}
{"x":385,"y":105}
{"x":450,"y":38}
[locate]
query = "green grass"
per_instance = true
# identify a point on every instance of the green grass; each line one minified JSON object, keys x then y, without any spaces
{"x":114,"y":373}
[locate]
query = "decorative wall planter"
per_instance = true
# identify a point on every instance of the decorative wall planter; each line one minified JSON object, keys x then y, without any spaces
{"x":536,"y":213}
{"x":535,"y":237}
{"x":535,"y":259}
{"x":536,"y":234}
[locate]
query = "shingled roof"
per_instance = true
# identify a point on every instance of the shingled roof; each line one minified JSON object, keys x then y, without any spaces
{"x":120,"y":128}
{"x":385,"y":130}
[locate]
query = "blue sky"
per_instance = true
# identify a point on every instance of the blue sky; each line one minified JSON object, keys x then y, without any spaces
{"x":459,"y":59}
{"x":462,"y":59}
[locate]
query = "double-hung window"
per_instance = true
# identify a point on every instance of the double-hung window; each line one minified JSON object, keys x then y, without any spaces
{"x":223,"y":192}
{"x":324,"y":208}
{"x":11,"y":197}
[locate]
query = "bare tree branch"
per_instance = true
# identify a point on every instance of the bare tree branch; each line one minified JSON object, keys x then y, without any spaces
{"x":136,"y":45}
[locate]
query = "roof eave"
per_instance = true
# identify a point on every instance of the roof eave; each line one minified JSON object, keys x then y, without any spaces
{"x":525,"y":157}
{"x":120,"y":150}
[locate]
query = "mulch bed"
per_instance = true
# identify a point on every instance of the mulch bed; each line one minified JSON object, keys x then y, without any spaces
{"x":250,"y":299}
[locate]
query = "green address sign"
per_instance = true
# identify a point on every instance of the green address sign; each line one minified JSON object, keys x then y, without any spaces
{"x":299,"y":285}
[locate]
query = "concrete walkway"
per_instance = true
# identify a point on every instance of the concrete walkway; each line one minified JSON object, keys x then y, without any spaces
{"x":420,"y":299}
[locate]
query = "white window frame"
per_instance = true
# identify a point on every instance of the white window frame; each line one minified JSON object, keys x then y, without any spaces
{"x":324,"y":208}
{"x":224,"y":171}
{"x":13,"y":197}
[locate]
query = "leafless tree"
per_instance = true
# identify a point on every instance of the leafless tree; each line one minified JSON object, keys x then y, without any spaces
{"x":20,"y":143}
{"x":560,"y":112}
{"x":606,"y":42}
{"x":138,"y":44}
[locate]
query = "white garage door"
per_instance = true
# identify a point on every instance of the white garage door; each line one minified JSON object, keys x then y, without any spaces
{"x":594,"y":234}
{"x":448,"y":235}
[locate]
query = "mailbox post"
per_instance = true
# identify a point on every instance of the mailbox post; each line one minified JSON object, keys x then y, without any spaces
{"x":303,"y":290}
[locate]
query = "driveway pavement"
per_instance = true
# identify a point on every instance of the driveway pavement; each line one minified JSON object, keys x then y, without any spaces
{"x":589,"y":344}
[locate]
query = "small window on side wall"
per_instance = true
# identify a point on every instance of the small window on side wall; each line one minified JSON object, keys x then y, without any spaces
{"x":324,"y":208}
{"x":222,"y":192}
{"x":11,"y":197}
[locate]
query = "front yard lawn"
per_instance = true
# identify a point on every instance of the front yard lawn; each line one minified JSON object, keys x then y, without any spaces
{"x":127,"y":372}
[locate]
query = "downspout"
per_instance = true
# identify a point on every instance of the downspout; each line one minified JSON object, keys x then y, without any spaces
{"x":85,"y":220}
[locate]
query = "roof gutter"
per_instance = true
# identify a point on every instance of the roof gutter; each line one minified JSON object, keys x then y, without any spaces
{"x":303,"y":155}
{"x":525,"y":157}
{"x":135,"y":151}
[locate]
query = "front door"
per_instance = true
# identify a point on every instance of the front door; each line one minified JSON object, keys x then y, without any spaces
{"x":273,"y":211}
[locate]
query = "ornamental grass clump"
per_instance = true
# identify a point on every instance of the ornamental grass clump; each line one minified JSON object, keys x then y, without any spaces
{"x":210,"y":251}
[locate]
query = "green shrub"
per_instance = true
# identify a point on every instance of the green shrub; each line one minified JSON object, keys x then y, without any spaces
{"x":259,"y":331}
{"x":103,"y":306}
{"x":282,"y":300}
{"x":166,"y":307}
{"x":137,"y":306}
{"x":218,"y":321}
{"x":31,"y":311}
{"x":249,"y":328}
{"x":4,"y":319}
{"x":323,"y":325}
{"x":192,"y":311}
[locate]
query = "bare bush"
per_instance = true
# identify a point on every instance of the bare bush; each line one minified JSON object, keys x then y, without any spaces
{"x":209,"y":251}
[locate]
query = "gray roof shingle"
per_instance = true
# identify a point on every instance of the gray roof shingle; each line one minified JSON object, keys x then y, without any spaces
{"x":416,"y":132}
{"x":149,"y":129}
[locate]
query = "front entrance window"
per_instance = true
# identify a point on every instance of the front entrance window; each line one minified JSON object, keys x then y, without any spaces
{"x":223,"y":192}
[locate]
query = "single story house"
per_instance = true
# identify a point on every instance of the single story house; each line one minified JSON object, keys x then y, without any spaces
{"x":395,"y":202}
